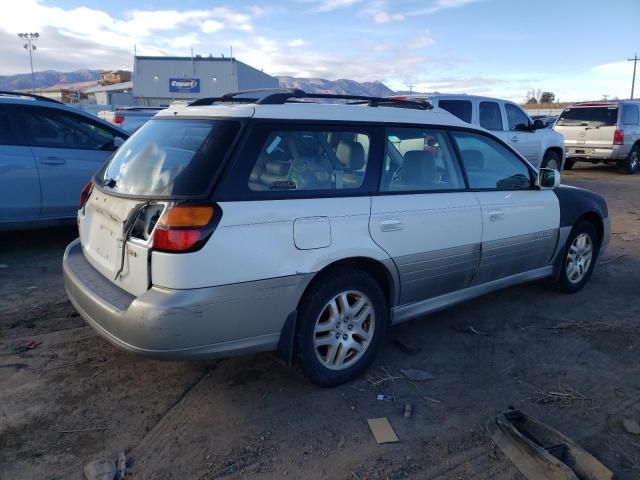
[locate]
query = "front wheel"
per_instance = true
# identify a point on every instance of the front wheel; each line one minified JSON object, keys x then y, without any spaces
{"x":632,"y":163}
{"x":342,"y":321}
{"x":580,"y":256}
{"x":551,"y":160}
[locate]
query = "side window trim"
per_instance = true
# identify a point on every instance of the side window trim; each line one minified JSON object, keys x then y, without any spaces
{"x":458,"y":154}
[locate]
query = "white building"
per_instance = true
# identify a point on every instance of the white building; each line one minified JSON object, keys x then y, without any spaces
{"x":157,"y":81}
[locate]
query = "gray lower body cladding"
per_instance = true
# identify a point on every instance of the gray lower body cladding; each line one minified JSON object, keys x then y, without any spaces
{"x":196,"y":323}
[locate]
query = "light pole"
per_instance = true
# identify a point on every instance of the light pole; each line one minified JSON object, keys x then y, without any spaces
{"x":30,"y":45}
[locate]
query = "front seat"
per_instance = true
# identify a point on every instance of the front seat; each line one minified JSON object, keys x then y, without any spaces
{"x":351,"y":156}
{"x":418,"y":170}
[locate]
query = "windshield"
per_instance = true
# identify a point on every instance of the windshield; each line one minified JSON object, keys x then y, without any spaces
{"x":169,"y":158}
{"x":589,"y":116}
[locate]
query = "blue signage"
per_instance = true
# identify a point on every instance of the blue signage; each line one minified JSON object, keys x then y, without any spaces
{"x":184,"y":85}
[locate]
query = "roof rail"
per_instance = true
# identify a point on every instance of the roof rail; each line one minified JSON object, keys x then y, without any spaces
{"x":279,"y":96}
{"x":29,"y":95}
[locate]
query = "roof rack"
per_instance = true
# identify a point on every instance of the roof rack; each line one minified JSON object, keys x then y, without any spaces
{"x":280,"y":96}
{"x":29,"y":95}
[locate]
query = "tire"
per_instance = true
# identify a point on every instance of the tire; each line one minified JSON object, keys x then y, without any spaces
{"x":321,"y":342}
{"x":630,"y":164}
{"x":569,"y":163}
{"x":573,"y":276}
{"x":551,"y":160}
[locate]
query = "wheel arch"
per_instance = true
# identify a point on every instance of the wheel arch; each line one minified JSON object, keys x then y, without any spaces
{"x":596,"y":220}
{"x":555,"y":149}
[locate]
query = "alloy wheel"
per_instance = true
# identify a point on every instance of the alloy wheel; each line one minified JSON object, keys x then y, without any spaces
{"x":579,"y":258}
{"x":344,"y":330}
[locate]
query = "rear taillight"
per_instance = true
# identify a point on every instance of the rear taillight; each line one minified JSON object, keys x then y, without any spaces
{"x":118,"y":119}
{"x":185,"y":227}
{"x":618,"y":137}
{"x":85,"y":194}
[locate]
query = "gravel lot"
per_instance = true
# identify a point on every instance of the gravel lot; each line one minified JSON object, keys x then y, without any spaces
{"x":67,"y":397}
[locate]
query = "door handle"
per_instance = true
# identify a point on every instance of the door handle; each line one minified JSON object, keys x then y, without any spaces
{"x":514,"y":139}
{"x":52,"y":160}
{"x":390,"y":224}
{"x":496,"y":215}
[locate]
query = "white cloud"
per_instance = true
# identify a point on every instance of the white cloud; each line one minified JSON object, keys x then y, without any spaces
{"x":211,"y":26}
{"x":298,"y":42}
{"x":423,"y":40}
{"x":438,"y":5}
{"x":384,"y":17}
{"x":330,"y":5}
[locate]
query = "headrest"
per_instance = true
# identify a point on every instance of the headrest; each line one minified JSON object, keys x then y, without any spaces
{"x":351,"y":155}
{"x":473,"y":159}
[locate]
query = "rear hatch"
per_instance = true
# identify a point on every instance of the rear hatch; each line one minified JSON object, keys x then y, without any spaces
{"x":169,"y":161}
{"x":588,"y":126}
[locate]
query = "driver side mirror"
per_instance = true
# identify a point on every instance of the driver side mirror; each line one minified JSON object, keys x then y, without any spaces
{"x":538,"y":124}
{"x":548,"y":178}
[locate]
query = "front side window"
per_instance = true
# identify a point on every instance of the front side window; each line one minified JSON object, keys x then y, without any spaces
{"x":172,"y":157}
{"x":310,"y":160}
{"x":419,"y":160}
{"x":515,"y":116}
{"x":490,"y":116}
{"x":630,"y":115}
{"x":459,"y":108}
{"x":491,"y":165}
{"x":48,"y":127}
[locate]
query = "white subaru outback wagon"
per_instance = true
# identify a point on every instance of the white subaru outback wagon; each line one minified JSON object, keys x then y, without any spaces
{"x":269,"y":223}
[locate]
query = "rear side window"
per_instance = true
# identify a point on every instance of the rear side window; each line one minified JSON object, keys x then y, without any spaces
{"x":310,"y":160}
{"x":515,"y":116}
{"x":589,"y":116}
{"x":490,"y":165}
{"x":459,"y":108}
{"x":490,"y":116}
{"x":169,"y":158}
{"x":630,"y":115}
{"x":53,"y":128}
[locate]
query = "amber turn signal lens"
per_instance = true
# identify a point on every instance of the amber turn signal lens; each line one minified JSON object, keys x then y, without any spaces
{"x":187,"y":216}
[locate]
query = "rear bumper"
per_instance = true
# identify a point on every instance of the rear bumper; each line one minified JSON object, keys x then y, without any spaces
{"x":586,"y":153}
{"x":198,"y":323}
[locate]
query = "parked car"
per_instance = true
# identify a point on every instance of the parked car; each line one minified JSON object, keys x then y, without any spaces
{"x":129,"y":118}
{"x":606,"y":132}
{"x":228,"y":227}
{"x":506,"y":120}
{"x":48,"y":152}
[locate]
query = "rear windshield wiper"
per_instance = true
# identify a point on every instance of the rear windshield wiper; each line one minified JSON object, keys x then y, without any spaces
{"x":110,"y":182}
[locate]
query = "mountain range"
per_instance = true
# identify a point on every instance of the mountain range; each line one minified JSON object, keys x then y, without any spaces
{"x":50,"y":78}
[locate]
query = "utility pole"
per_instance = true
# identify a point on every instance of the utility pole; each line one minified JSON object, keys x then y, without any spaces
{"x":633,"y":80}
{"x":604,"y":97}
{"x":30,"y":38}
{"x":411,"y":88}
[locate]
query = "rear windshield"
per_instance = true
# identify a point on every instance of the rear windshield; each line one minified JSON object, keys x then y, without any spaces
{"x":169,"y":158}
{"x":592,"y":116}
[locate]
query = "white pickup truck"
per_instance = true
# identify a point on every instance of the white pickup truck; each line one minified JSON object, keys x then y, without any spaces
{"x":543,"y":147}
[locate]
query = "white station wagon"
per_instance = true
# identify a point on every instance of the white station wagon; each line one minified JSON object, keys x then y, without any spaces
{"x":272,"y":223}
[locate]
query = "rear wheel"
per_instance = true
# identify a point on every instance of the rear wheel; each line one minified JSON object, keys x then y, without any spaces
{"x":632,"y":163}
{"x":342,"y":321}
{"x":551,"y":160}
{"x":579,"y":257}
{"x":568,"y":164}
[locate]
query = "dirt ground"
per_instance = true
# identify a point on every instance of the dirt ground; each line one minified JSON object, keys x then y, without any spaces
{"x":68,"y":397}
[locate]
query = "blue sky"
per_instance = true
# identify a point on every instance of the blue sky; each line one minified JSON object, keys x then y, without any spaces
{"x":577,"y":49}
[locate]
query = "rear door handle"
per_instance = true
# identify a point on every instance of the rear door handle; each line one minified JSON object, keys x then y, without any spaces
{"x":390,"y":224}
{"x":496,"y":215}
{"x":52,"y":160}
{"x":515,"y":139}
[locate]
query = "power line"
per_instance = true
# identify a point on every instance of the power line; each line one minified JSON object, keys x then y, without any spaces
{"x":633,"y":80}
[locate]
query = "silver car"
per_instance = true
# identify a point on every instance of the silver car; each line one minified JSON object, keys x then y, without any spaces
{"x":606,"y":132}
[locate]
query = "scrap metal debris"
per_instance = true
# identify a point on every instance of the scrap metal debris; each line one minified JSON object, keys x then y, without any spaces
{"x":386,"y":398}
{"x":32,"y":345}
{"x":631,"y":426}
{"x":122,"y":466}
{"x":539,"y":451}
{"x":468,"y":329}
{"x":408,"y":410}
